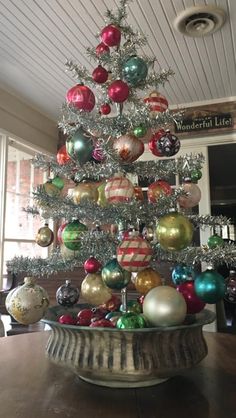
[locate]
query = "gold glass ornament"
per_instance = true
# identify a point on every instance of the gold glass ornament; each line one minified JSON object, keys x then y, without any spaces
{"x":102,"y":201}
{"x":164,"y":306}
{"x":94,"y":291}
{"x":148,"y":233}
{"x":44,"y":236}
{"x":138,"y":193}
{"x":51,"y":189}
{"x":85,"y":191}
{"x":174,"y":232}
{"x":146,"y":280}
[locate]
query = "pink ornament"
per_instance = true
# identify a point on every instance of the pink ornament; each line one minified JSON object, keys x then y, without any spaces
{"x":128,"y":147}
{"x":102,"y":49}
{"x":134,"y":254}
{"x":193,"y":197}
{"x":156,"y":102}
{"x":118,"y":190}
{"x":105,"y":109}
{"x":157,"y":189}
{"x":67,"y":319}
{"x":111,"y":35}
{"x":98,"y":154}
{"x":194,"y":304}
{"x":59,"y":232}
{"x":118,"y":91}
{"x":92,"y":265}
{"x":81,"y":97}
{"x":153,"y":143}
{"x":62,"y":156}
{"x":100,"y":75}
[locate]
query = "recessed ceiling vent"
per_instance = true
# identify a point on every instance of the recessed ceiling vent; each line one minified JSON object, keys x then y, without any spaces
{"x":200,"y":20}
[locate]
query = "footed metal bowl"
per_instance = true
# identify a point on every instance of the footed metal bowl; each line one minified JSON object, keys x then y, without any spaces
{"x":126,"y":358}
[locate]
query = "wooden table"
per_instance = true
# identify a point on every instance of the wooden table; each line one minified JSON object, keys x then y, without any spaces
{"x":32,"y":387}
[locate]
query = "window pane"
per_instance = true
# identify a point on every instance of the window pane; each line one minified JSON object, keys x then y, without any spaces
{"x":25,"y":249}
{"x":21,"y":179}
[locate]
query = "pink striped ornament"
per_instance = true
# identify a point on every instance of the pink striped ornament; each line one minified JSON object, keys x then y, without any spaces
{"x":157,"y":102}
{"x":119,"y":190}
{"x":134,"y":254}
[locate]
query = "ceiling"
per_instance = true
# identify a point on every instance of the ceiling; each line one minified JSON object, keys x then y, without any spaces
{"x":38,"y":36}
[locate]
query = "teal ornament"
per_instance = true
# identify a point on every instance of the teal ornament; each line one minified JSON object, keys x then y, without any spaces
{"x":140,"y":131}
{"x":195,"y":175}
{"x":132,"y":306}
{"x":71,"y":235}
{"x":210,"y":286}
{"x":80,"y":146}
{"x":58,"y":182}
{"x":113,"y":316}
{"x":134,"y":70}
{"x":131,"y":320}
{"x":181,"y":274}
{"x":215,"y":241}
{"x":114,"y":276}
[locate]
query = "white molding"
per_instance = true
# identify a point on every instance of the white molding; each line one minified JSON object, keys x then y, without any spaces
{"x":203,"y":103}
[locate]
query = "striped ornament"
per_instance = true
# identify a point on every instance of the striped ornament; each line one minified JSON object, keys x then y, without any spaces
{"x":156,"y":102}
{"x":128,"y":147}
{"x":134,"y":254}
{"x":119,"y":190}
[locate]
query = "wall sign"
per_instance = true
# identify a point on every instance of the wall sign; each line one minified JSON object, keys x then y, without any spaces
{"x":223,"y":120}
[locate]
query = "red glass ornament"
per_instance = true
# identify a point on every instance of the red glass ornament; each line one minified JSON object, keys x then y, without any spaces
{"x":140,"y":299}
{"x":100,"y":74}
{"x":194,"y":304}
{"x":92,"y":265}
{"x":81,"y":97}
{"x":105,"y":323}
{"x":111,"y":35}
{"x":99,"y":313}
{"x":158,"y":188}
{"x":59,"y":232}
{"x":168,"y":144}
{"x":105,"y":109}
{"x":67,"y":319}
{"x":102,"y":49}
{"x":84,"y":317}
{"x":118,"y":91}
{"x":156,"y":102}
{"x":62,"y":156}
{"x":153,"y":143}
{"x":134,"y":254}
{"x":98,"y":153}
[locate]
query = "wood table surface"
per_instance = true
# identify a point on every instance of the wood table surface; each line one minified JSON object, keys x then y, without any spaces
{"x":32,"y":387}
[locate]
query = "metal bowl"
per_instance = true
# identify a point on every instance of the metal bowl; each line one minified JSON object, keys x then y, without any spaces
{"x":126,"y":358}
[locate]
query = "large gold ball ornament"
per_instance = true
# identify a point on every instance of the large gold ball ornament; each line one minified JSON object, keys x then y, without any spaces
{"x":102,"y":201}
{"x":174,"y":232}
{"x":44,"y":236}
{"x":146,"y":280}
{"x":164,"y":306}
{"x":94,"y":291}
{"x":85,"y":191}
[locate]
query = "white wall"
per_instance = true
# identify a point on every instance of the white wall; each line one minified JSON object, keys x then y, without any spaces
{"x":22,"y":121}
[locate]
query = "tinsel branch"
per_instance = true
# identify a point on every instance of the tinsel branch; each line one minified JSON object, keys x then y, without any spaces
{"x":208,"y":220}
{"x":155,"y":169}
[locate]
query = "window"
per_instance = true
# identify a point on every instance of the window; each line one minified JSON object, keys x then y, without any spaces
{"x":18,"y":178}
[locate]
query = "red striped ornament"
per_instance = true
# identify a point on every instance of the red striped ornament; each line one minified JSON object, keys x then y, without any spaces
{"x":134,"y":254}
{"x":156,"y":102}
{"x":119,"y":190}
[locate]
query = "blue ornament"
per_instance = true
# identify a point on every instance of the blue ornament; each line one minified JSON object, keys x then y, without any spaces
{"x":210,"y":286}
{"x":134,"y":70}
{"x":80,"y":146}
{"x":114,"y":276}
{"x":181,"y":274}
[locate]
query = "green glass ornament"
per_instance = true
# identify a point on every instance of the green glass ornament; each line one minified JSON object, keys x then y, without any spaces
{"x":134,"y":70}
{"x":71,"y":235}
{"x":210,"y":286}
{"x":80,"y":146}
{"x":132,"y":306}
{"x":131,"y":320}
{"x":114,"y":276}
{"x":195,"y":175}
{"x":215,"y":241}
{"x":140,"y":131}
{"x":58,"y":182}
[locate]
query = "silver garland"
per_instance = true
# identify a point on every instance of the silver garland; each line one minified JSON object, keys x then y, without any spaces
{"x":155,"y":169}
